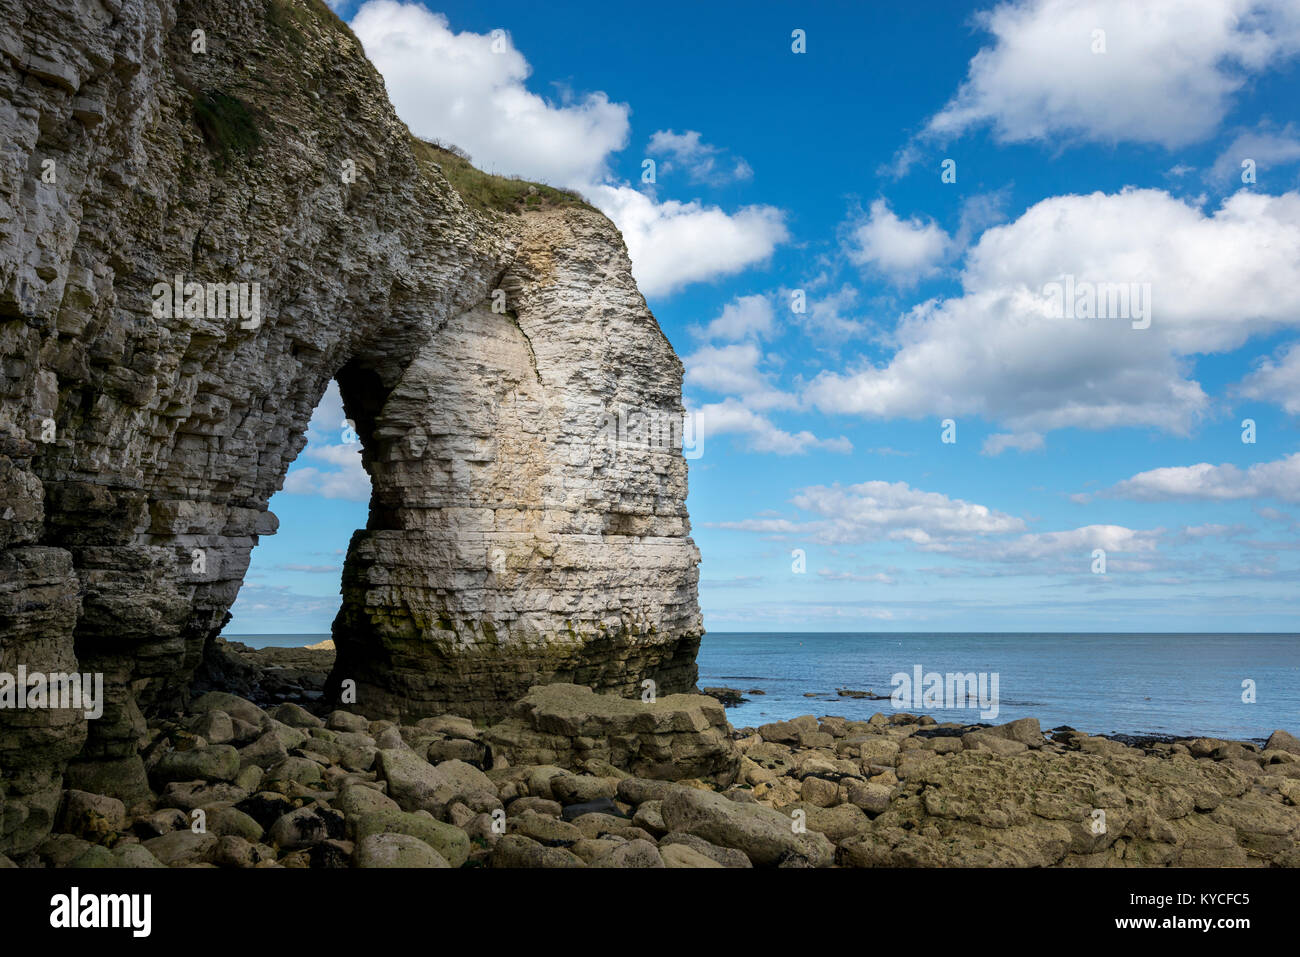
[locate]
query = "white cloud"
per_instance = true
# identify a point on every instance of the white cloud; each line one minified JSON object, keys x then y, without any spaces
{"x":1021,"y":442}
{"x":874,"y":578}
{"x":733,"y":369}
{"x":271,"y":608}
{"x":873,"y":510}
{"x":882,"y":511}
{"x":453,"y":87}
{"x":1072,"y":545}
{"x":673,"y":243}
{"x":828,"y":318}
{"x":346,"y":478}
{"x":327,"y":419}
{"x":904,"y":250}
{"x":742,"y":317}
{"x":346,"y":457}
{"x":703,"y":163}
{"x":1276,"y":380}
{"x":999,"y":351}
{"x":1168,"y":74}
{"x":1268,"y":148}
{"x":352,"y":485}
{"x":309,"y":569}
{"x":1276,"y":480}
{"x":802,"y":612}
{"x":732,"y":417}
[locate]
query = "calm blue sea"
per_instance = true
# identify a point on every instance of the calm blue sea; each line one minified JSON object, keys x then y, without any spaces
{"x":1098,"y":683}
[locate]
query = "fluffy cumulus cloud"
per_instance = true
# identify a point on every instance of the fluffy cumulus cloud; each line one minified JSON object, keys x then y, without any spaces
{"x":702,"y":162}
{"x":469,"y":89}
{"x":332,"y":443}
{"x":740,"y":371}
{"x":733,"y":365}
{"x":675,"y":243}
{"x":733,"y":369}
{"x":1278,"y":480}
{"x":1022,"y":442}
{"x":1076,"y":544}
{"x":734,"y":417}
{"x":872,"y":510}
{"x":880,"y":511}
{"x":1267,"y":149}
{"x":904,"y":250}
{"x":1168,"y":73}
{"x":829,"y":317}
{"x":1276,"y":380}
{"x":1008,"y":350}
{"x":993,"y":542}
{"x":744,"y":316}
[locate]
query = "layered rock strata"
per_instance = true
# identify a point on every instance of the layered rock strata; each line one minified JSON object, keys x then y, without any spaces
{"x":483,"y":348}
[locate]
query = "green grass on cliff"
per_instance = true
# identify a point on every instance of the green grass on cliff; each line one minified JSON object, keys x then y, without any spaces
{"x":227,"y":124}
{"x":294,"y":18}
{"x":506,"y":194}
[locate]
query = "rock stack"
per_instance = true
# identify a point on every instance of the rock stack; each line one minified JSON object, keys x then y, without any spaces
{"x":483,"y":347}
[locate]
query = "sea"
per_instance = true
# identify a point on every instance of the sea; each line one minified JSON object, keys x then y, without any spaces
{"x":1240,"y":686}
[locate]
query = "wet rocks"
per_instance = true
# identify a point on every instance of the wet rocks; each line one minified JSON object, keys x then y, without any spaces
{"x":898,"y":791}
{"x":730,"y":697}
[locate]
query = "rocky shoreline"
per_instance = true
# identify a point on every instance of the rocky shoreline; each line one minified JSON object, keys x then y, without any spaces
{"x":572,"y":778}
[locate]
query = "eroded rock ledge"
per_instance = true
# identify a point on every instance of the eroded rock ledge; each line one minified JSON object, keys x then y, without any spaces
{"x":575,"y":779}
{"x":512,"y":538}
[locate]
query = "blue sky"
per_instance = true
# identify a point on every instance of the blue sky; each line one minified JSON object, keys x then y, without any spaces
{"x":1100,"y":141}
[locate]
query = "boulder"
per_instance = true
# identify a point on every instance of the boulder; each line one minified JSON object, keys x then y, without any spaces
{"x":631,"y":854}
{"x":682,"y":855}
{"x":233,"y":706}
{"x":180,"y":848}
{"x":306,"y":826}
{"x":1024,"y":730}
{"x":449,"y":841}
{"x":1282,"y":741}
{"x":218,"y":762}
{"x":766,"y":836}
{"x":515,"y":850}
{"x":92,"y":816}
{"x":396,"y":850}
{"x":677,"y":736}
{"x":357,"y":799}
{"x":296,"y":716}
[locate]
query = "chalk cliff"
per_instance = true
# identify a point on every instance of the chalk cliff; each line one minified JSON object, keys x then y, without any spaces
{"x":484,"y":334}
